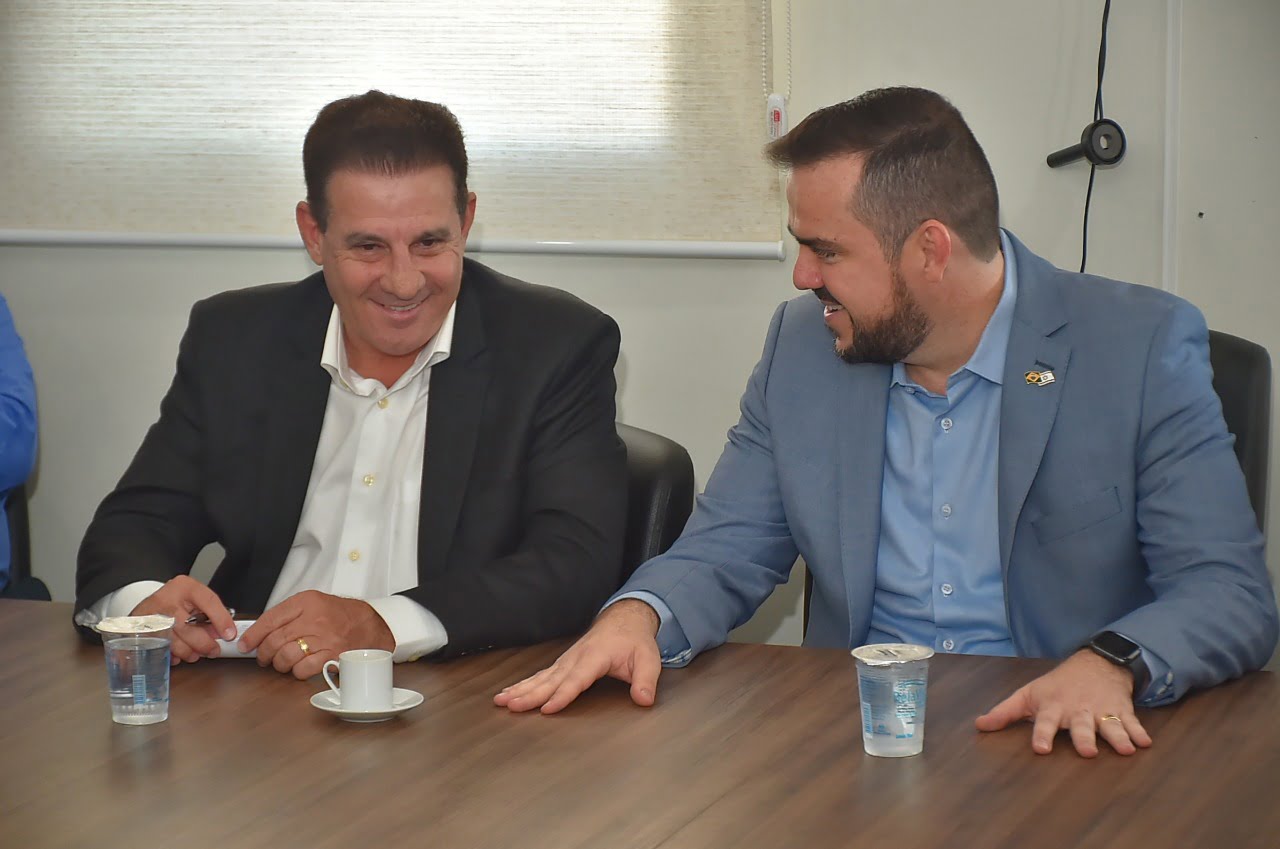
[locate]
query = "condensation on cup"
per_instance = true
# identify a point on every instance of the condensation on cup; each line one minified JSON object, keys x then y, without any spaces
{"x":893,"y":680}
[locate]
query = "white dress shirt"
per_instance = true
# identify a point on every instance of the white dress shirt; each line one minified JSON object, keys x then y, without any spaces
{"x":357,"y":536}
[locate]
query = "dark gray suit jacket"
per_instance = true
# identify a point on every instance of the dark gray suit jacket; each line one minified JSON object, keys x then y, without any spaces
{"x":523,"y":484}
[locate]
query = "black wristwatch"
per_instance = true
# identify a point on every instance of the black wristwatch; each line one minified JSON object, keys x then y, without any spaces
{"x":1123,"y":651}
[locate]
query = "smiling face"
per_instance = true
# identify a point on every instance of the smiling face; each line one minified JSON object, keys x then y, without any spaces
{"x":869,"y":307}
{"x":392,"y":259}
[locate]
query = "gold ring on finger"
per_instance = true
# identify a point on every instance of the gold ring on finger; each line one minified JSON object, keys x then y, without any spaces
{"x":1111,"y":716}
{"x":306,"y":649}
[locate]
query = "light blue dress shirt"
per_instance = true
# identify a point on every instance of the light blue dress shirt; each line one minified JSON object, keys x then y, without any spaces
{"x":938,"y":580}
{"x":938,"y":576}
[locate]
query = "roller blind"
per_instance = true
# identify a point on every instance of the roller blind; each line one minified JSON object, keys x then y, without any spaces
{"x":609,"y":119}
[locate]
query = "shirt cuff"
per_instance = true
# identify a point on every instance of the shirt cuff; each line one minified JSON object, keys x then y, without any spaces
{"x":118,"y":603}
{"x":673,"y":645}
{"x":416,"y":630}
{"x":1161,"y":690}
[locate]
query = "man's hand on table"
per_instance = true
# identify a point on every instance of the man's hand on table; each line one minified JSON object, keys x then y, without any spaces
{"x":1087,"y":695}
{"x":302,"y":632}
{"x":182,"y":597}
{"x":622,"y":644}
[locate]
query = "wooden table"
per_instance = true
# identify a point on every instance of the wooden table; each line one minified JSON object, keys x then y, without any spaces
{"x":753,"y":746}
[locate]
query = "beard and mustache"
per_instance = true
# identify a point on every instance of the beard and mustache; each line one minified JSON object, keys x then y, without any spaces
{"x":889,"y":340}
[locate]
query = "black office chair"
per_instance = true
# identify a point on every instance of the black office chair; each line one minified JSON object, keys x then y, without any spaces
{"x":21,"y":582}
{"x":1242,"y":379}
{"x":660,"y":494}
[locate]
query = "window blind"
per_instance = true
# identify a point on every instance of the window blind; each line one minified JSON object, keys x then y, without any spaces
{"x":601,"y":120}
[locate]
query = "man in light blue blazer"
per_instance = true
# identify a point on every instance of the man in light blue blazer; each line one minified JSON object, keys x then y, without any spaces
{"x":1001,"y":458}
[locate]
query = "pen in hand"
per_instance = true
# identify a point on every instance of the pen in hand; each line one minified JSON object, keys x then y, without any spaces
{"x":202,"y":618}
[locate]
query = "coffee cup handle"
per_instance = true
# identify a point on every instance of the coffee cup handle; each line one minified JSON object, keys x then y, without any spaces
{"x":325,"y":671}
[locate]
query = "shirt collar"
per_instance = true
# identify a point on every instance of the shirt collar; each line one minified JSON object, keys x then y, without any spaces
{"x":987,"y":360}
{"x":333,"y":357}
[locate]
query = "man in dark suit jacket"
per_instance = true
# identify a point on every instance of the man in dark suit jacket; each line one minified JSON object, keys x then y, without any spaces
{"x":491,"y":516}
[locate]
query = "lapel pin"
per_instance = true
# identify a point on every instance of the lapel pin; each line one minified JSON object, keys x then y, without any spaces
{"x":1039,"y":378}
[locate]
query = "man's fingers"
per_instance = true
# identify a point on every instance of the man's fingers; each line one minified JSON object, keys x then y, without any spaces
{"x":1111,"y":728}
{"x":290,"y":657}
{"x":275,"y":644}
{"x":570,"y":688}
{"x":1045,"y":729}
{"x":197,"y":637}
{"x":206,"y":601}
{"x":310,"y":666}
{"x":1137,"y":733}
{"x":1084,"y":732}
{"x":271,"y":621}
{"x":646,"y":667}
{"x":630,"y":654}
{"x":554,"y":688}
{"x":183,"y":596}
{"x":287,"y":657}
{"x":590,"y":667}
{"x":533,"y":692}
{"x":1011,"y":710}
{"x":180,"y":651}
{"x":519,"y":688}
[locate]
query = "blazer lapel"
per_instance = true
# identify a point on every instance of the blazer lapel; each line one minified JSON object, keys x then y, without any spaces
{"x":295,"y":413}
{"x":454,"y":412}
{"x":860,"y":423}
{"x":1027,"y":410}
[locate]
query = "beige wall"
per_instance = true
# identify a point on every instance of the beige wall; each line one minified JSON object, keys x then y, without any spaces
{"x":102,"y":324}
{"x":1228,"y":206}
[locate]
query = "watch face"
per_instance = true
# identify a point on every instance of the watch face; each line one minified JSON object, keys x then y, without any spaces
{"x":1121,"y":648}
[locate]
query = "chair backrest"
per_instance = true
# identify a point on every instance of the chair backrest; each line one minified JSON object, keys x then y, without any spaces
{"x":1242,"y":379}
{"x":659,"y":491}
{"x":19,"y":534}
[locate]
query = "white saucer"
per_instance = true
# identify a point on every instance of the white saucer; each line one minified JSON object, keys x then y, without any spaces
{"x":401,"y":701}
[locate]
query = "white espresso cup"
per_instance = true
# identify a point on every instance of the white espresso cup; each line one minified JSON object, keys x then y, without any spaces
{"x":366,"y":679}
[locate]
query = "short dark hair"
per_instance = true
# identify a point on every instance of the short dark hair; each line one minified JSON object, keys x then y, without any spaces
{"x":380,"y":133}
{"x":920,"y":161}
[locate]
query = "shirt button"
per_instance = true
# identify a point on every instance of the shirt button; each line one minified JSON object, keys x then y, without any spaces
{"x":368,"y":480}
{"x":948,"y":644}
{"x":354,"y":555}
{"x":946,"y":424}
{"x":382,"y":403}
{"x":946,"y":510}
{"x":947,"y":589}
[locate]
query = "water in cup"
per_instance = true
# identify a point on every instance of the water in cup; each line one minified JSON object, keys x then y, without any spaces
{"x":138,"y":679}
{"x":892,"y":685}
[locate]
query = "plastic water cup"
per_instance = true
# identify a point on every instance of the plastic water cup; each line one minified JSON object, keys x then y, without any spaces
{"x":893,"y":681}
{"x":137,"y":650}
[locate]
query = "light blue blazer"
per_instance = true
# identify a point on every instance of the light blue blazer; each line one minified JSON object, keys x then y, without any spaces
{"x":1121,"y":503}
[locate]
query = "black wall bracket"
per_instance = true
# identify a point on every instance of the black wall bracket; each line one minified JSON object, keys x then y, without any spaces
{"x":1102,"y":143}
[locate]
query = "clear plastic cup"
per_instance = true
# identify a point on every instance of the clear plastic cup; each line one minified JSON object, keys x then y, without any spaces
{"x":137,"y":650}
{"x":893,"y":681}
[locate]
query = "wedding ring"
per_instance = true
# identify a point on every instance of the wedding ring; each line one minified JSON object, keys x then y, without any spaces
{"x":1107,"y":716}
{"x":306,"y":650}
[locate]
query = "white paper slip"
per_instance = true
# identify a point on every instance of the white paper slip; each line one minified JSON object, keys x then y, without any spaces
{"x":229,"y":646}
